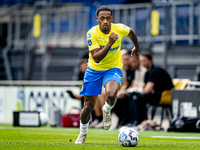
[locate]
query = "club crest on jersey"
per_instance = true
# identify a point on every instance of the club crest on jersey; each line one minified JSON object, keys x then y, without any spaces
{"x":89,"y":35}
{"x":89,"y":42}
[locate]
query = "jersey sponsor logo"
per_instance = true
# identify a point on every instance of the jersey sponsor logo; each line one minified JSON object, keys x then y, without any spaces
{"x":89,"y":42}
{"x":89,"y":35}
{"x":111,"y":50}
{"x":101,"y":38}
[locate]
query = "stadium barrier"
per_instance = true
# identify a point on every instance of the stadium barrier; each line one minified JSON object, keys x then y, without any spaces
{"x":36,"y":96}
{"x":185,"y":103}
{"x":166,"y":98}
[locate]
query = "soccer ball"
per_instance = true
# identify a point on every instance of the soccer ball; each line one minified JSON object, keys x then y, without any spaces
{"x":43,"y":118}
{"x":128,"y":137}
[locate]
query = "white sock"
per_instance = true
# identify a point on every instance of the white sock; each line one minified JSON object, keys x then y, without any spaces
{"x":107,"y":107}
{"x":83,"y":128}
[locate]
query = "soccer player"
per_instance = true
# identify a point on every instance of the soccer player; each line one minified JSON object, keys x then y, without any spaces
{"x":104,"y":66}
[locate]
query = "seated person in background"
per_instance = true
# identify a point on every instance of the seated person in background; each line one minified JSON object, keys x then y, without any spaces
{"x":83,"y":68}
{"x":126,"y":66}
{"x":137,"y":80}
{"x":156,"y":81}
{"x":126,"y":73}
{"x":121,"y":106}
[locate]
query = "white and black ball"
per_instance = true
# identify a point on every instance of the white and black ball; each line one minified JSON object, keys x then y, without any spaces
{"x":128,"y":137}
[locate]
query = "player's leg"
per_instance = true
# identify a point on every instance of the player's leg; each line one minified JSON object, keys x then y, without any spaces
{"x":92,"y":87}
{"x":89,"y":104}
{"x":111,"y":88}
{"x":111,"y":81}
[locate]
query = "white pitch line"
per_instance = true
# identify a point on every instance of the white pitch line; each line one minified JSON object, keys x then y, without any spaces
{"x":176,"y":137}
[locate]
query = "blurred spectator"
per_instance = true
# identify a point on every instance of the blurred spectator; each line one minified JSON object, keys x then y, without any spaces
{"x":121,"y":106}
{"x":137,"y":80}
{"x":83,"y":68}
{"x":127,"y":73}
{"x":156,"y":81}
{"x":126,"y":65}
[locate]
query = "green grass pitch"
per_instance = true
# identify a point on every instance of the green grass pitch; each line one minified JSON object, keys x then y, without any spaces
{"x":50,"y":138}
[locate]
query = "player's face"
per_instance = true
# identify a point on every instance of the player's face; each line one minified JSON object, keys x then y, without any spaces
{"x":104,"y":19}
{"x":145,"y":61}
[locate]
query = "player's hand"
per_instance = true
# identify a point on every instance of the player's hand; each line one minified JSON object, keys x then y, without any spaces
{"x":134,"y":52}
{"x":113,"y":37}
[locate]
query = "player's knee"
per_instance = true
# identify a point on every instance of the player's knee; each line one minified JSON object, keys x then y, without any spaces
{"x":111,"y":94}
{"x":88,"y":108}
{"x":111,"y":99}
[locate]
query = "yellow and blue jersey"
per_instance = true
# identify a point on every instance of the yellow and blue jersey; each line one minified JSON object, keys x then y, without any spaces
{"x":97,"y":39}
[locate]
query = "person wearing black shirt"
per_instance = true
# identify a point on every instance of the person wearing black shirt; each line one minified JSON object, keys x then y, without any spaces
{"x":156,"y":81}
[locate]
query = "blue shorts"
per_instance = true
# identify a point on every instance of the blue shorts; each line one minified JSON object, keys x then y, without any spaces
{"x":93,"y":80}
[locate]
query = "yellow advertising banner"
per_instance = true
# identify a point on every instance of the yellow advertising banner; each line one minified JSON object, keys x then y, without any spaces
{"x":37,"y":25}
{"x":154,"y":22}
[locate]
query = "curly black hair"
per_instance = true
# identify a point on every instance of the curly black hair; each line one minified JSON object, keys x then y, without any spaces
{"x":102,"y":8}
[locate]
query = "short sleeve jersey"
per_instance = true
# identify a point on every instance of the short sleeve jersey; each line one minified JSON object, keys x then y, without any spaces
{"x":161,"y":79}
{"x":97,"y":39}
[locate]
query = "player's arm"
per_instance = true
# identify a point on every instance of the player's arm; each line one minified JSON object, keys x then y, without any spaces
{"x":132,"y":84}
{"x":132,"y":36}
{"x":98,"y":54}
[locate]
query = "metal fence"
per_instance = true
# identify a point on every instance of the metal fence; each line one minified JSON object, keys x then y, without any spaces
{"x":179,"y":21}
{"x":66,"y":26}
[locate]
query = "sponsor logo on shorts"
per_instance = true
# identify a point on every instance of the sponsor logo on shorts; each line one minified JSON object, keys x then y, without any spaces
{"x":117,"y":75}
